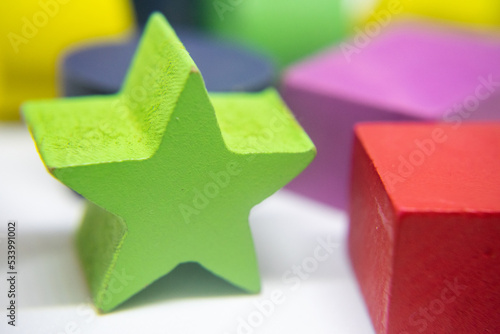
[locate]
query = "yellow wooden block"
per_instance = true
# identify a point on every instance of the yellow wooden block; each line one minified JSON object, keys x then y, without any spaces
{"x":478,"y":13}
{"x":36,"y":32}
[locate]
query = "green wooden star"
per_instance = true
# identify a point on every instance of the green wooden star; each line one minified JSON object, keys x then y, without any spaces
{"x":170,"y":174}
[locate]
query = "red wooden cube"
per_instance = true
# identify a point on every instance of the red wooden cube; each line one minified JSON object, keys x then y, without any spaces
{"x":424,"y":238}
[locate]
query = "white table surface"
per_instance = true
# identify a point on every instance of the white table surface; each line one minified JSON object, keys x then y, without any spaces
{"x":53,"y":297}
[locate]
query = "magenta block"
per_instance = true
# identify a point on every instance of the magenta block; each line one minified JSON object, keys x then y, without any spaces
{"x":408,"y":72}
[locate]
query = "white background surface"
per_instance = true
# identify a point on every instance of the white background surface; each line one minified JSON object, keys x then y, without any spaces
{"x":53,"y":297}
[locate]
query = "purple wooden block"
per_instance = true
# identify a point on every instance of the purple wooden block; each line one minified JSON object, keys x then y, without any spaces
{"x":409,"y":72}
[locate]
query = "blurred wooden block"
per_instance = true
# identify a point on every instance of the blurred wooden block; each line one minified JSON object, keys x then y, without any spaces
{"x":478,"y":13}
{"x":178,"y":12}
{"x":36,"y":32}
{"x":287,"y":30}
{"x":226,"y":67}
{"x":410,"y":72}
{"x":425,"y":226}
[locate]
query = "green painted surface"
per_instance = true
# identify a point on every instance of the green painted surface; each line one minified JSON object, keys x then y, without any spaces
{"x":289,"y":30}
{"x":169,"y":172}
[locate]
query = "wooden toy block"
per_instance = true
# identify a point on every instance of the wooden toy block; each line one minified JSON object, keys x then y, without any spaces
{"x":179,"y":13}
{"x":35,"y":33}
{"x":410,"y":72}
{"x":170,"y":173}
{"x":226,"y":67}
{"x":479,"y":13}
{"x":287,"y":30}
{"x":425,"y":226}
